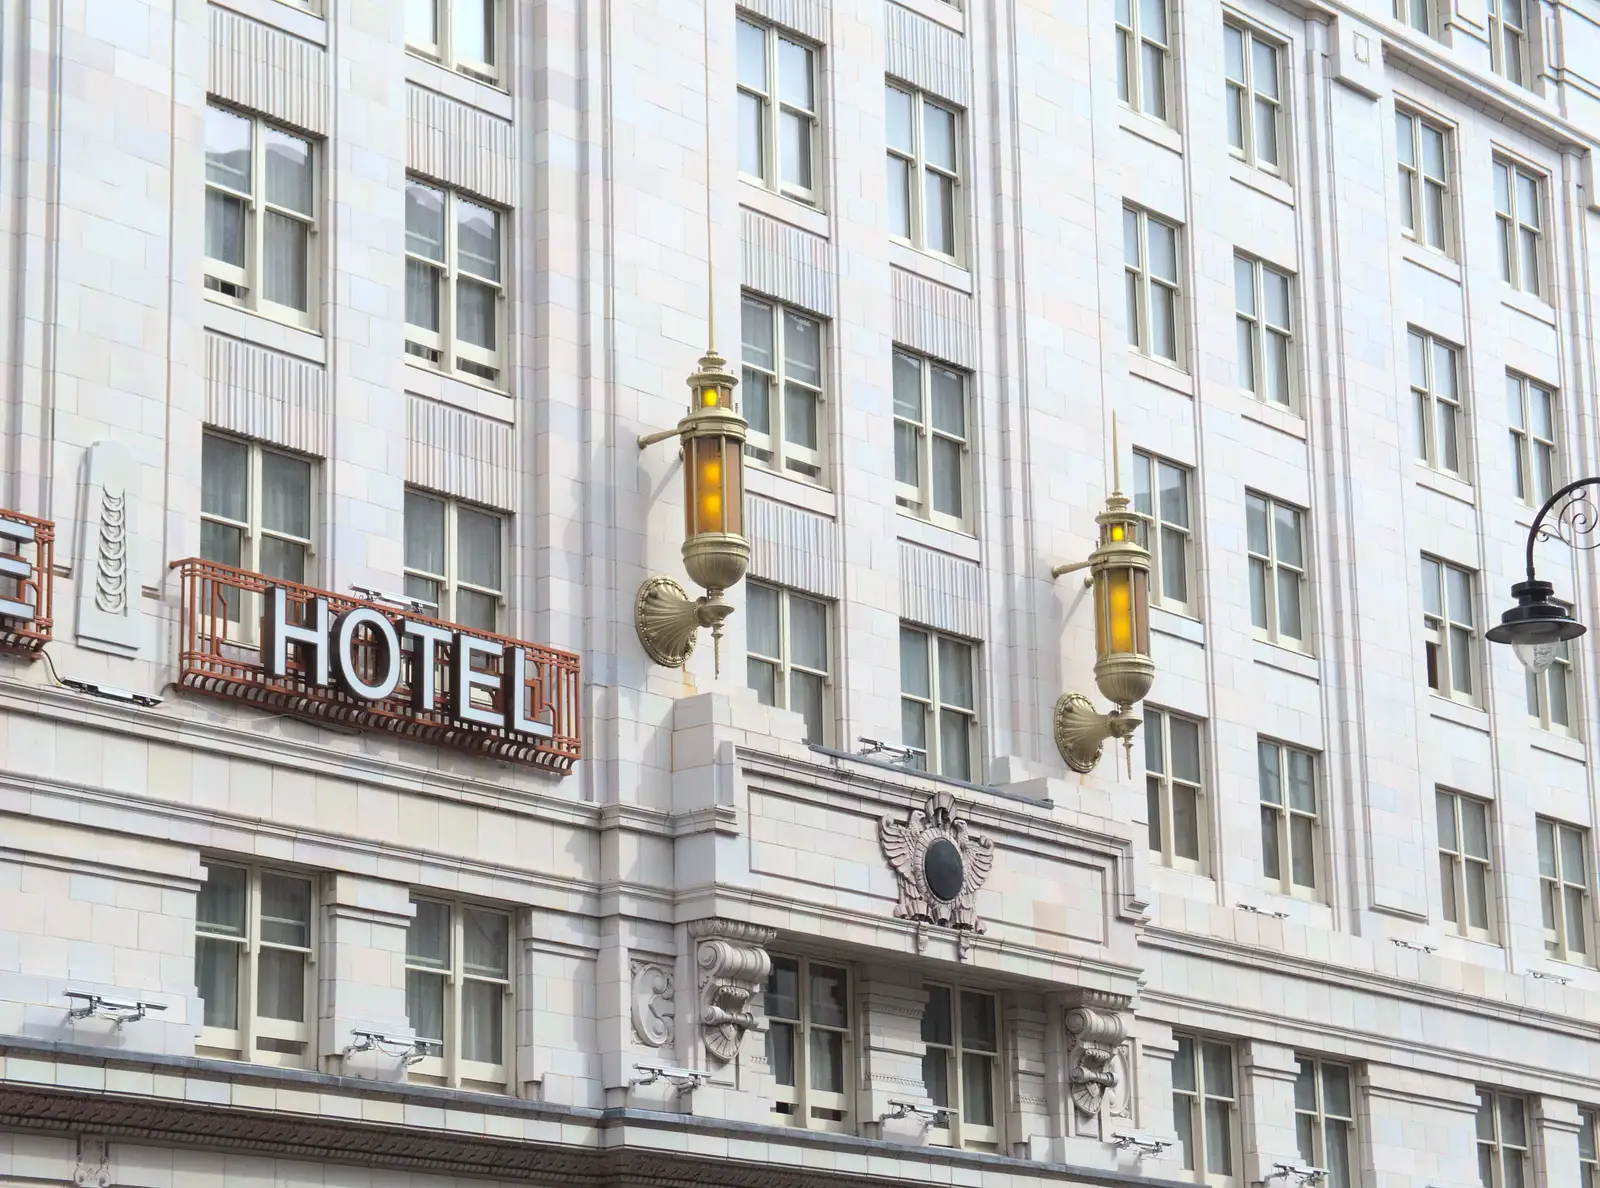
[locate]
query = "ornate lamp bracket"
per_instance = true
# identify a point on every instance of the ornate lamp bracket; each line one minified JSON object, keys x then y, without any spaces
{"x":1081,"y":731}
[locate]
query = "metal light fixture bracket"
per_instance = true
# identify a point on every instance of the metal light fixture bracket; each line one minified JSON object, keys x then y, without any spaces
{"x":1081,"y":731}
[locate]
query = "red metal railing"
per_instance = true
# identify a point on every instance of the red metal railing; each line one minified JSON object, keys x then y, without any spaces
{"x":221,"y":656}
{"x":29,"y":637}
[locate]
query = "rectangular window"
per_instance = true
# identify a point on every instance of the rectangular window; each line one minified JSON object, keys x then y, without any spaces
{"x":458,"y":993}
{"x":261,"y":220}
{"x":253,"y":955}
{"x":1150,"y":257}
{"x":932,"y":444}
{"x":1290,"y":825}
{"x":938,"y":702}
{"x":1144,"y":54}
{"x":1276,"y":538}
{"x":462,"y":35}
{"x":1436,"y":403}
{"x":961,"y":1066}
{"x":1509,"y":46}
{"x":1324,"y":1118}
{"x":1203,"y":1108}
{"x":1416,"y":13}
{"x":1450,"y":629}
{"x":924,"y":171}
{"x":454,"y":291}
{"x":1265,"y":333}
{"x":1502,"y":1140}
{"x":1255,"y":98}
{"x":787,"y":636}
{"x":1424,"y":149}
{"x":1464,"y":868}
{"x":783,"y":389}
{"x":1531,"y":411}
{"x":454,"y":560}
{"x":1551,"y":692}
{"x":809,"y":1042}
{"x":1519,"y":212}
{"x":1588,"y":1149}
{"x":1174,"y":788}
{"x":778,"y":124}
{"x":1161,"y":501}
{"x":255,"y":515}
{"x":1564,"y":890}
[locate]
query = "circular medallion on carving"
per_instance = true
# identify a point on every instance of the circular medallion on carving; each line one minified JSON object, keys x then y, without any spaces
{"x":943,"y":869}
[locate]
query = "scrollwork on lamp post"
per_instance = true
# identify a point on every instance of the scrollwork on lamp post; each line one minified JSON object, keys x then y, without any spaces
{"x":1538,"y":622}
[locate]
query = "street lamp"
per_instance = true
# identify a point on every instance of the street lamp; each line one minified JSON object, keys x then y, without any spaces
{"x":1538,"y":622}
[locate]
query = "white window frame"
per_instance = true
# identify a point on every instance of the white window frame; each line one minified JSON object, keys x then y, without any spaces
{"x":447,"y":1066}
{"x":1441,"y":627}
{"x":1281,"y":816}
{"x":1324,"y":1124}
{"x":244,"y":1042}
{"x":934,"y":706}
{"x":1527,"y":444}
{"x":1273,"y":568}
{"x":773,"y":450}
{"x":1558,"y":674}
{"x":1589,"y":1148}
{"x":1162,"y":786}
{"x":1196,"y":1100}
{"x":1245,"y":94}
{"x":1511,"y":44}
{"x":809,"y":1108}
{"x":1135,"y":45}
{"x":1522,"y":243}
{"x":1457,"y":866}
{"x":1408,"y":12}
{"x":952,"y":1129}
{"x":1433,"y":405}
{"x":917,"y":500}
{"x":221,"y":276}
{"x":455,"y":356}
{"x":443,"y":48}
{"x":450,"y":582}
{"x":1417,"y":184}
{"x":774,"y":108}
{"x":1142,"y":284}
{"x":1256,"y":327}
{"x":1495,"y":1146}
{"x":1157,"y":529}
{"x":1558,"y":887}
{"x":784,"y":665}
{"x":919,"y":167}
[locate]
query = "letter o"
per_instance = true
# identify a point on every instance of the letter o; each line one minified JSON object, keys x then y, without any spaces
{"x":347,"y":672}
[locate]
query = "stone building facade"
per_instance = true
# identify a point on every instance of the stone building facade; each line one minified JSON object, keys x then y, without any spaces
{"x":376,"y":298}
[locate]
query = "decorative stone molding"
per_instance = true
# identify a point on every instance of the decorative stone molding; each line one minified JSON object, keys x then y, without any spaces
{"x":733,"y":963}
{"x":108,"y":589}
{"x":1096,"y":1033}
{"x":941,"y":864}
{"x":651,"y":999}
{"x":93,"y":1169}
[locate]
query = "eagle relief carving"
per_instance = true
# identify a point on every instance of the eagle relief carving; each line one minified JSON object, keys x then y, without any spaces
{"x":941,"y":864}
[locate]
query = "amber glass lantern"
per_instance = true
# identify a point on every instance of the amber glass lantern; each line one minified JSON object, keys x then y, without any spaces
{"x":715,"y":551}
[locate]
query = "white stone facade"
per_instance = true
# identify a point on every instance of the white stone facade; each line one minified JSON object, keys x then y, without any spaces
{"x":647,"y":894}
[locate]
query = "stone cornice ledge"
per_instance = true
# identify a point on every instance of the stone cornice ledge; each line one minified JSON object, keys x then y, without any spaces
{"x":617,"y":1148}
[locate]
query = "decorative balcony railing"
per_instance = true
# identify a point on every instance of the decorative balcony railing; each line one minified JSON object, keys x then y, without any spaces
{"x":222,"y":656}
{"x":27,"y":581}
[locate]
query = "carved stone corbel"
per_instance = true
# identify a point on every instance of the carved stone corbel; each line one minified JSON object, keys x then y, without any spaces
{"x":1095,"y":1034}
{"x":651,"y":1002}
{"x":733,"y":967}
{"x":93,"y":1168}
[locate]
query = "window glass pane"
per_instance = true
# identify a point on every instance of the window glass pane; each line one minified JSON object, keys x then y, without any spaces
{"x":955,"y":745}
{"x":1271,"y":846}
{"x":949,"y":402}
{"x":1302,"y":784}
{"x":1234,"y":39}
{"x":762,"y":634}
{"x":1255,"y":509}
{"x":225,"y":228}
{"x":914,"y":662}
{"x":1244,"y":286}
{"x":947,"y":492}
{"x":1264,"y":63}
{"x":1545,"y":833}
{"x":978,"y":1030}
{"x":286,"y":264}
{"x":1572,"y":864}
{"x":1153,"y":757}
{"x":939,"y":136}
{"x":478,"y":240}
{"x":1459,"y":582}
{"x":220,"y":906}
{"x":936,"y":1075}
{"x":806,"y":693}
{"x":907,"y":388}
{"x":1404,"y":138}
{"x":752,"y":55}
{"x":224,"y":477}
{"x":802,"y":349}
{"x":228,"y":149}
{"x":216,"y":977}
{"x":827,"y":1061}
{"x":795,"y":74}
{"x":937,"y":1019}
{"x":1130,"y":238}
{"x":474,"y":30}
{"x":762,"y":677}
{"x":281,"y":985}
{"x":1218,"y":1070}
{"x":1183,"y":1065}
{"x":424,"y":221}
{"x":938,"y":213}
{"x":1219,"y":1138}
{"x":1336,"y":1091}
{"x":898,"y":115}
{"x":977,"y":1089}
{"x":1445,"y":809}
{"x":1186,"y":750}
{"x":780,"y":1053}
{"x":225,"y":546}
{"x":1527,"y":200}
{"x":1512,"y":1128}
{"x":1474,"y":828}
{"x":1286,"y":535}
{"x":955,"y":673}
{"x":1267,"y":764}
{"x":288,"y":171}
{"x":1302,"y":851}
{"x":829,"y":1005}
{"x":285,"y":910}
{"x":478,"y":547}
{"x":1174,"y":566}
{"x":1174,"y":495}
{"x":285,"y":494}
{"x":424,"y":533}
{"x":914,"y":731}
{"x":751,"y":136}
{"x":808,"y":632}
{"x":783,"y":989}
{"x":1417,"y":353}
{"x":1153,"y":20}
{"x":422,"y":22}
{"x":756,"y":334}
{"x":482,"y":1008}
{"x":428,"y":936}
{"x":1163,"y":251}
{"x":1305,"y":1085}
{"x":1275,"y":289}
{"x":1185,"y":822}
{"x":422,"y":296}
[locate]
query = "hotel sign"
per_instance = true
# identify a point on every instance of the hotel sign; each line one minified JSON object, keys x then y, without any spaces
{"x":319,"y":655}
{"x":27,"y":565}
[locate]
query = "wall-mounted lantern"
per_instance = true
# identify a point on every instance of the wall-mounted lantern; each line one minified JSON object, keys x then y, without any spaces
{"x":715,"y":551}
{"x":1119,"y":571}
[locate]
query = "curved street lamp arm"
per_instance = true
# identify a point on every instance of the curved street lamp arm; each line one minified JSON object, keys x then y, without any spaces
{"x":1583,"y":523}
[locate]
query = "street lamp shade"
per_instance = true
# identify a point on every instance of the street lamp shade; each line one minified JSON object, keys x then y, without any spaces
{"x":1535,"y":625}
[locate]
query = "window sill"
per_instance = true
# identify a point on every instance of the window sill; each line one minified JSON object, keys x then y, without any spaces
{"x":1178,"y":625}
{"x":1149,"y":128}
{"x":1451,"y":488}
{"x":1261,"y":182}
{"x":260,"y":330}
{"x":1536,"y":308}
{"x":944,"y":540}
{"x":1430,"y":260}
{"x":1157,"y":371}
{"x":1561,"y":745}
{"x":939,"y":269}
{"x":1458,"y":712}
{"x":423,"y":381}
{"x":937,"y":11}
{"x":1300,"y":664}
{"x":1272,"y":416}
{"x":288,"y":17}
{"x":783,"y":208}
{"x":432,"y":76}
{"x":795,"y":492}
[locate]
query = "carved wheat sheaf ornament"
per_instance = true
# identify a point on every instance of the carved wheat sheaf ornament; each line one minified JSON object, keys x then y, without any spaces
{"x":941,"y":864}
{"x":111,"y":570}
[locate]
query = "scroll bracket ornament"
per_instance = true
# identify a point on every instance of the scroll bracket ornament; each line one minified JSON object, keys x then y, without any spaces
{"x":1096,"y":1034}
{"x":732,"y":963}
{"x":651,"y":999}
{"x":93,"y":1168}
{"x":941,"y":864}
